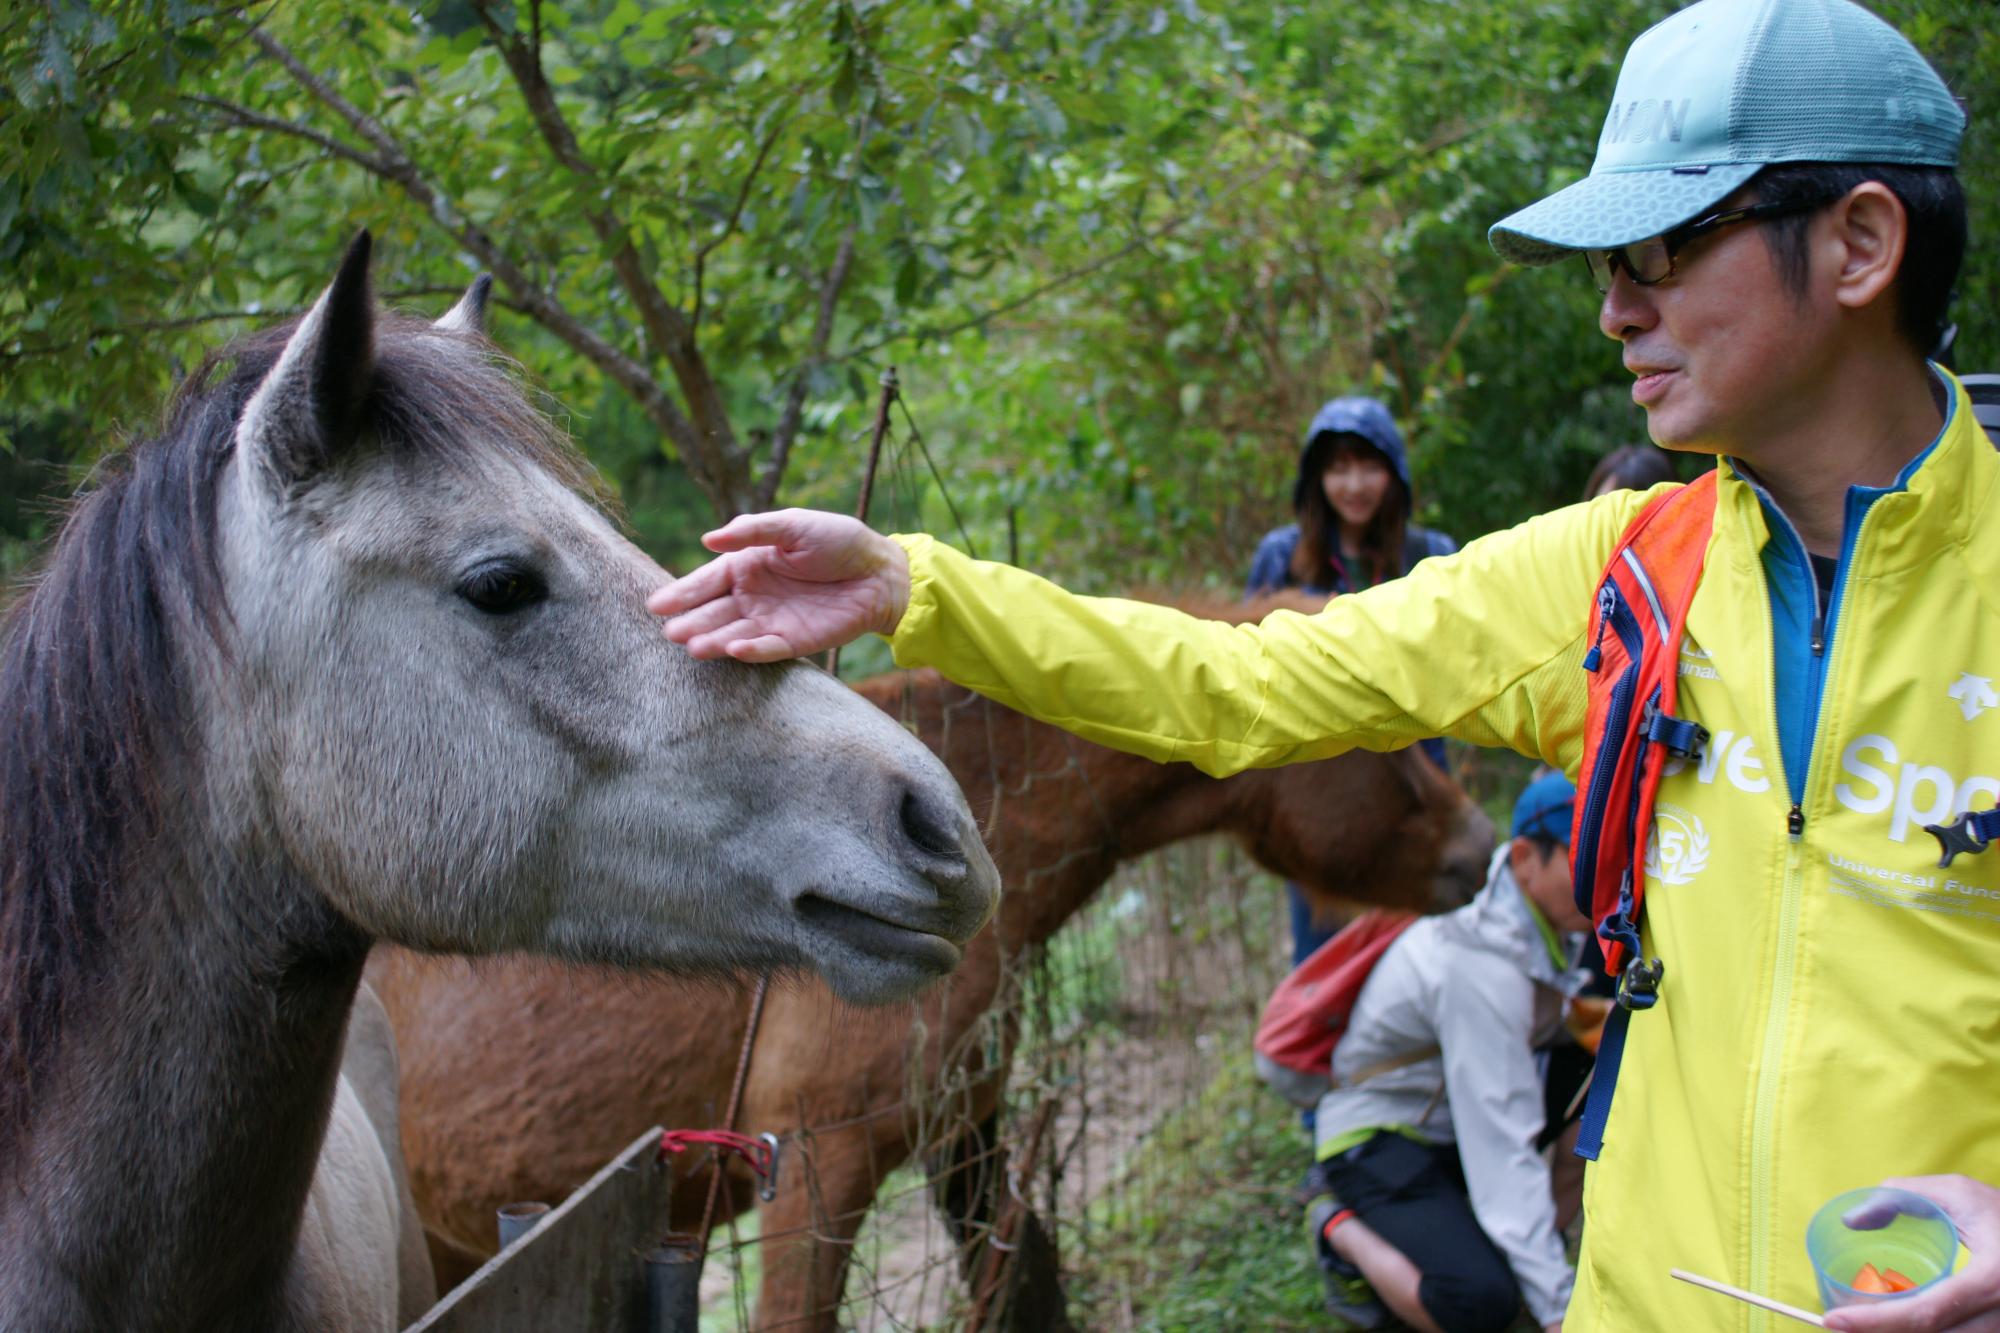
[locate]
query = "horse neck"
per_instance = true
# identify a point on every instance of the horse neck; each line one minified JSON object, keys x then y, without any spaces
{"x":163,"y":1176}
{"x":1058,"y":813}
{"x":1110,"y":808}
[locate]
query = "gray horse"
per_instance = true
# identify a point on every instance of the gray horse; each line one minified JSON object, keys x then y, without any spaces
{"x":348,"y":654}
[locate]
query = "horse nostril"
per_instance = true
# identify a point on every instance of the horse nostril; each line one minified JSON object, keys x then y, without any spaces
{"x":933,"y":830}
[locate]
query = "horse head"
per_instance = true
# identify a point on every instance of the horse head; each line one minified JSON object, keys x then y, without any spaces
{"x":441,"y":700}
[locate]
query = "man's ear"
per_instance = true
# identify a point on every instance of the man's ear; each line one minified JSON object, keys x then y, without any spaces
{"x":1869,"y":231}
{"x":309,"y":406}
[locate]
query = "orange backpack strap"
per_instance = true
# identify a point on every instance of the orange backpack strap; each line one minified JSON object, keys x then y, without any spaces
{"x":1629,"y":731}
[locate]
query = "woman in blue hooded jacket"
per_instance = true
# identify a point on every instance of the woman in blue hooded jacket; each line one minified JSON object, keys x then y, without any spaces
{"x":1353,"y":501}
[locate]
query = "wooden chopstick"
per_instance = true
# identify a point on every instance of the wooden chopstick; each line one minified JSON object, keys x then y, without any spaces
{"x":1762,"y":1302}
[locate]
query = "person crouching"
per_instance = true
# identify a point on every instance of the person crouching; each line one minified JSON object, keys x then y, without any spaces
{"x":1441,"y":1212}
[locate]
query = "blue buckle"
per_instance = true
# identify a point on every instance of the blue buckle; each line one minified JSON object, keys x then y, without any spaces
{"x":1681,"y":737}
{"x":1618,"y":928}
{"x":1617,"y":925}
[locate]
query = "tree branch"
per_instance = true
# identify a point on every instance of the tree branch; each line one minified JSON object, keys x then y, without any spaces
{"x":396,"y":167}
{"x":1029,"y":297}
{"x":735,"y":214}
{"x":716,"y":461}
{"x":829,"y":303}
{"x":20,"y":352}
{"x":363,"y":124}
{"x":244,"y":118}
{"x":795,"y":393}
{"x":270,"y":313}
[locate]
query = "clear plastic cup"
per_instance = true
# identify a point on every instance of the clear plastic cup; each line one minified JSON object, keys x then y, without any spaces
{"x":1888,"y":1228}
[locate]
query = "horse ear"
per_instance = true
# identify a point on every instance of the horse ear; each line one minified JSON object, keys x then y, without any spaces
{"x":308,"y":407}
{"x":469,"y":315}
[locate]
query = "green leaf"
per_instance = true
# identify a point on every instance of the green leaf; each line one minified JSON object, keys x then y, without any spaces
{"x":204,"y":203}
{"x":622,"y":16}
{"x":1046,"y":113}
{"x":909,"y":279}
{"x":54,"y":73}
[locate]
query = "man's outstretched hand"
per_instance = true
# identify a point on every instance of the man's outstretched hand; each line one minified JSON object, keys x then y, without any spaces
{"x":786,"y":584}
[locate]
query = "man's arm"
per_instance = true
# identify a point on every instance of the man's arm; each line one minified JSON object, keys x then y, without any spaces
{"x":1483,"y":645}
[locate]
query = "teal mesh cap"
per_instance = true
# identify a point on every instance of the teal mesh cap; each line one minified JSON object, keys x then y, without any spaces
{"x":1725,"y":87}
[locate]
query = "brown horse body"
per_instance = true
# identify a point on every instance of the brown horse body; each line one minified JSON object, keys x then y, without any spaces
{"x":520,"y":1080}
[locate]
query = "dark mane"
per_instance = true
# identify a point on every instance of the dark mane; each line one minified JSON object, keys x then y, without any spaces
{"x":96,"y":652}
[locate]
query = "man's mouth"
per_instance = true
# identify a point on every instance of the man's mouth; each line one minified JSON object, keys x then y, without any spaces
{"x":1649,"y":385}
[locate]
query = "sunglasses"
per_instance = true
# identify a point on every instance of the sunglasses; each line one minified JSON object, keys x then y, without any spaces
{"x":1651,"y":261}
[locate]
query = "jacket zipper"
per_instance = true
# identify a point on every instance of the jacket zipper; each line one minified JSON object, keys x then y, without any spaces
{"x":1777,"y":1017}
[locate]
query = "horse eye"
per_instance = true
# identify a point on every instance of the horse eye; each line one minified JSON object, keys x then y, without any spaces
{"x":503,"y":588}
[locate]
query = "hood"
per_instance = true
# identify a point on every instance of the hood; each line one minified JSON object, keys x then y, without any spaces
{"x":1499,"y":921}
{"x":1353,"y":415}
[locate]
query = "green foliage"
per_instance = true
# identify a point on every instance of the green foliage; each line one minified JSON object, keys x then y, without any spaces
{"x":1118,"y":250}
{"x":98,"y":191}
{"x":1329,"y":238}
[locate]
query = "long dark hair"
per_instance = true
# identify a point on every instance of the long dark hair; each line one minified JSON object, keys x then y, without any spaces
{"x":1319,"y":527}
{"x":1635,"y":467}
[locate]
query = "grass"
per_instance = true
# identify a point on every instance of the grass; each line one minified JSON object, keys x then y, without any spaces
{"x":1205,"y":1233}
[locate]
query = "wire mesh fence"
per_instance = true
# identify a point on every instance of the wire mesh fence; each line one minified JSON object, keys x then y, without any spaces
{"x":1116,"y":1025}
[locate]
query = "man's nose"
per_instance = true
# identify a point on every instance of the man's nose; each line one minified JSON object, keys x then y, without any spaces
{"x":1627,"y":308}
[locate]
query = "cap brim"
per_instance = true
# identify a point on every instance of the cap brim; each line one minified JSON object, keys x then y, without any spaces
{"x":1614,"y":208}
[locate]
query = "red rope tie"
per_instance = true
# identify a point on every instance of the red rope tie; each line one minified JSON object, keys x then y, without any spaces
{"x":759,"y":1153}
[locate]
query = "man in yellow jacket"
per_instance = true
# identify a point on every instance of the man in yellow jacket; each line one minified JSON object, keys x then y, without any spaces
{"x":1775,"y":223}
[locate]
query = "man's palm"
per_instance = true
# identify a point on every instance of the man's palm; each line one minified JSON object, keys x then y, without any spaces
{"x":786,"y":584}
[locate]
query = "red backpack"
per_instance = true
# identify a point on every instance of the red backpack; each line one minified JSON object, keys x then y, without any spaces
{"x":1307,"y":1014}
{"x":1629,"y":731}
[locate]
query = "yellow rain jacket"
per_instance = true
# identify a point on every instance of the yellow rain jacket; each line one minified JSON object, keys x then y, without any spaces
{"x":1830,"y":1013}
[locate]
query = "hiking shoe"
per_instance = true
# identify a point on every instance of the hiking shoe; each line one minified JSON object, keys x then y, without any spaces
{"x":1349,"y":1298}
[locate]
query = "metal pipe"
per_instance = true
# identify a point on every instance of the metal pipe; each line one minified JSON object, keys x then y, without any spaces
{"x":673,"y":1286}
{"x":518,"y":1219}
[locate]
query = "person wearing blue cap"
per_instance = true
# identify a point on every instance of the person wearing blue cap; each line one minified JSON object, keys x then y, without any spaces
{"x":1441,"y":1212}
{"x":1774,"y":222}
{"x":1353,"y":499}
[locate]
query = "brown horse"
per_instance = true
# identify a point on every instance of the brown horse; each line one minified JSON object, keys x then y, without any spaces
{"x":520,"y":1080}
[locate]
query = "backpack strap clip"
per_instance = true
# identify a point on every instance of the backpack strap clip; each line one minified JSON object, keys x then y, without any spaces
{"x":1681,"y":737}
{"x":1639,"y":984}
{"x":1967,"y":832}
